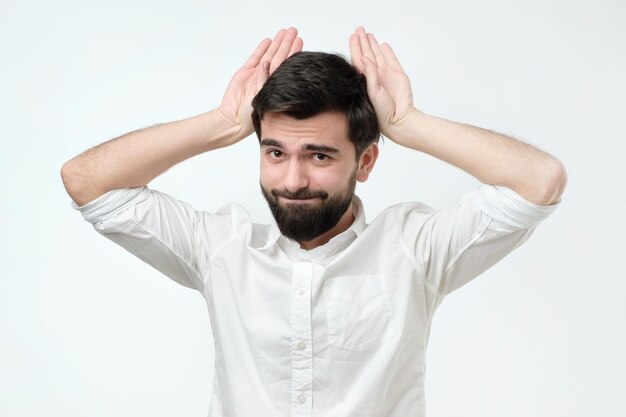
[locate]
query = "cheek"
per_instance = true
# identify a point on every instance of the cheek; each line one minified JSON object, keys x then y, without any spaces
{"x":326,"y":179}
{"x":330,"y":179}
{"x":269,"y":175}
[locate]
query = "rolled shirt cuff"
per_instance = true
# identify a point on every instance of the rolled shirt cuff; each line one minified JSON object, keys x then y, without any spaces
{"x":110,"y":202}
{"x":506,"y":206}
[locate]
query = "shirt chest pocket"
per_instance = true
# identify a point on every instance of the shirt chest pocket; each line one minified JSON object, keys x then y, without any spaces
{"x":358,"y":310}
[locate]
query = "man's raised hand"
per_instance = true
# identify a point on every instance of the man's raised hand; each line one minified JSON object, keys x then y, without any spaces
{"x":388,"y":86}
{"x":269,"y":54}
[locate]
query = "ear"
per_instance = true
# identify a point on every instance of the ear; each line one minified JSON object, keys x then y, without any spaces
{"x":366,"y":162}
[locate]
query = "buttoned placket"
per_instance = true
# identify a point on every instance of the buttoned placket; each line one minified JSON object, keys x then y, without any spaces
{"x":302,"y":350}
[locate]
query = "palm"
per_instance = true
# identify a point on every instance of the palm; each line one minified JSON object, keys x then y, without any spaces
{"x":388,"y":86}
{"x":394,"y":99}
{"x":236,"y":104}
{"x":238,"y":96}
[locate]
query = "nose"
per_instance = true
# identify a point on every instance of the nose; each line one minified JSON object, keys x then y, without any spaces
{"x":296,"y":177}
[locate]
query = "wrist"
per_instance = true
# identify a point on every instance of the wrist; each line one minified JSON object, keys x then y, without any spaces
{"x":221,"y":130}
{"x":404,"y":130}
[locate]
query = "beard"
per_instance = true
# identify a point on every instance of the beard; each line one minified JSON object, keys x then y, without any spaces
{"x":303,"y":223}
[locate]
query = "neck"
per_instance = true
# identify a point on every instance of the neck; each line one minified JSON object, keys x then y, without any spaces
{"x":342,"y":225}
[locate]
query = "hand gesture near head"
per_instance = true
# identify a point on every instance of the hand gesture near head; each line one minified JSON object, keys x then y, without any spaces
{"x":388,"y":86}
{"x":269,"y":54}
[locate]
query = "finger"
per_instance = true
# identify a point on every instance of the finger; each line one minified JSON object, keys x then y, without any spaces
{"x":256,"y":56}
{"x":378,"y":53}
{"x":365,"y":45}
{"x":296,"y":46}
{"x":391,"y":57}
{"x":355,"y":53}
{"x":371,"y":77}
{"x":262,"y":74}
{"x":271,"y":51}
{"x":284,"y":48}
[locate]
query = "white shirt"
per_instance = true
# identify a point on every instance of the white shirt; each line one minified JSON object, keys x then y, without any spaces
{"x":337,"y":331}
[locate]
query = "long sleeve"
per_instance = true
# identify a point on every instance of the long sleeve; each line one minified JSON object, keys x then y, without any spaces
{"x":458,"y":243}
{"x":162,"y":231}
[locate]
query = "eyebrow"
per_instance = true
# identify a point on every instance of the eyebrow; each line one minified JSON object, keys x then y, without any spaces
{"x":306,"y":146}
{"x":271,"y":142}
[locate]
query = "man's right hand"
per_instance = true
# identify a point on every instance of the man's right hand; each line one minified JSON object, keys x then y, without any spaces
{"x":135,"y":158}
{"x":236,"y":105}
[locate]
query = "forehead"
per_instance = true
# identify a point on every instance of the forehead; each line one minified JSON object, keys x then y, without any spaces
{"x":329,"y":128}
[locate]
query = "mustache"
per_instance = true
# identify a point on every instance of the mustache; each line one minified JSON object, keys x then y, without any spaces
{"x":301,"y":194}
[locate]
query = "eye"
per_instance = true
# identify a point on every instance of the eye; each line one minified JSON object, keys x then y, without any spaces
{"x":275,"y":153}
{"x":320,"y":157}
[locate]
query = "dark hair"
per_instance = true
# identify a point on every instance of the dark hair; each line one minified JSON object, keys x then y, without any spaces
{"x":309,"y":83}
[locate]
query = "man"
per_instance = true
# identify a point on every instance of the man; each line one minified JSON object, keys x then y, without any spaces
{"x":320,"y":314}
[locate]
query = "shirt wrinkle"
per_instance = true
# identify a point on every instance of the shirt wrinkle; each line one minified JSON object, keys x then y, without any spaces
{"x":472,"y":241}
{"x":171,"y":249}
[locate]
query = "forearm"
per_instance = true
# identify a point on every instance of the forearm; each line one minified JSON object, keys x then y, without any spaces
{"x":136,"y":158}
{"x":490,"y":157}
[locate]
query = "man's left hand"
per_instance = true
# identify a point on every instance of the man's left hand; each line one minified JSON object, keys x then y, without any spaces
{"x":388,"y":86}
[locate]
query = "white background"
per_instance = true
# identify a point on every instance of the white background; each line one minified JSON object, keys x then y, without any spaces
{"x":88,"y":330}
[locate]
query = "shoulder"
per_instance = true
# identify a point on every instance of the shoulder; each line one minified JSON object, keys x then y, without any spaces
{"x":399,"y":211}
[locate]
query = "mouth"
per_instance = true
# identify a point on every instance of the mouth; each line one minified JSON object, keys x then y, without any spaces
{"x":298,"y":200}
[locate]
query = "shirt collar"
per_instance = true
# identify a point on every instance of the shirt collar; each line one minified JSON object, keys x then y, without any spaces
{"x":355,"y":229}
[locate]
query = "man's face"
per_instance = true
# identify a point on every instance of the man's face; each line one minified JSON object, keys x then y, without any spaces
{"x":309,"y":172}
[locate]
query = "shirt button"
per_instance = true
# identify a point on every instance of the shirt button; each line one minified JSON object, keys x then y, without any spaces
{"x":301,"y":398}
{"x":301,"y":345}
{"x":301,"y":291}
